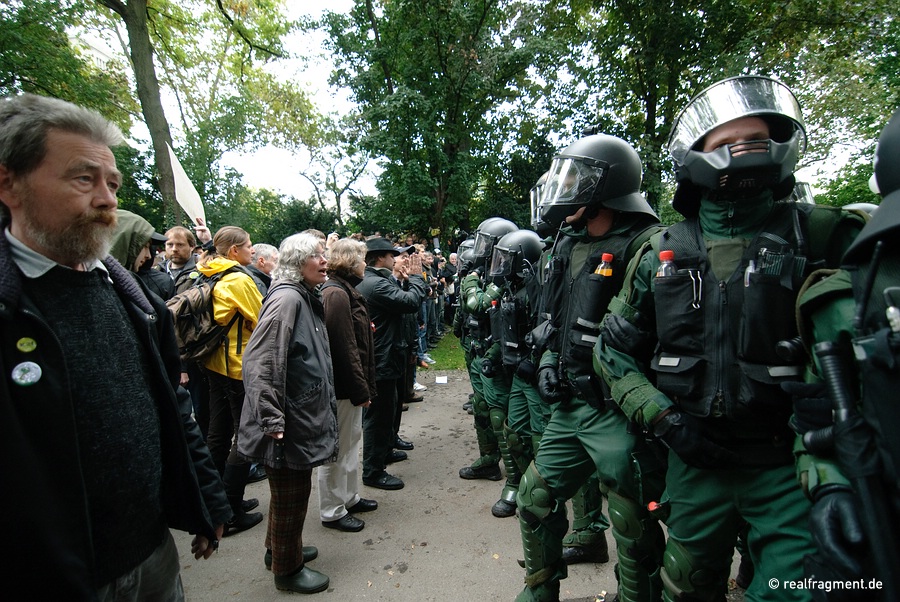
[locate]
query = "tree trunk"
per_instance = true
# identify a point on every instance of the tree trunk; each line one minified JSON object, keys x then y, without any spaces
{"x":134,"y":15}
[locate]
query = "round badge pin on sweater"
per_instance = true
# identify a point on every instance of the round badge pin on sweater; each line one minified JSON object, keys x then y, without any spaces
{"x":26,"y":374}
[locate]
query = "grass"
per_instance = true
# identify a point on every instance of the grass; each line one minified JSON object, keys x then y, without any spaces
{"x":448,"y":355}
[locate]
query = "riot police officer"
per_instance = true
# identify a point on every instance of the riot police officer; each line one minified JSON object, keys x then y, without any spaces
{"x":514,"y":265}
{"x":594,"y":186}
{"x":690,"y":352}
{"x":854,"y":484}
{"x":480,"y":296}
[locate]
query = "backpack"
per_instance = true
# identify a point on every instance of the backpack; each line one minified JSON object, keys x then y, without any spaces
{"x":196,"y":331}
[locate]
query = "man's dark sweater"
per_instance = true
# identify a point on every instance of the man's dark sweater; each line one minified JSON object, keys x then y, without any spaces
{"x":116,"y":417}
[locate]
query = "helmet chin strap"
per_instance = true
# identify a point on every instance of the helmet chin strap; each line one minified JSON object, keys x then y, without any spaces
{"x":589,"y":214}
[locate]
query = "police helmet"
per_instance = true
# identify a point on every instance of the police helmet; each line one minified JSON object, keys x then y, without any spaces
{"x":885,"y":220}
{"x":516,"y":254}
{"x":744,"y":167}
{"x":595,"y":172}
{"x":887,"y":158}
{"x":487,"y":234}
{"x":537,"y":224}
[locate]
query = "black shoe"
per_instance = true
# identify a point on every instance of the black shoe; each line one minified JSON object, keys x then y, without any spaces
{"x":396,"y":456}
{"x":404,"y":408}
{"x":503,"y":509}
{"x":415,"y":399}
{"x":468,"y":406}
{"x":310,"y":553}
{"x":385,"y":481}
{"x":363,"y":505}
{"x":491,"y":473}
{"x":348,"y":524}
{"x":242,"y":522}
{"x":248,"y":505}
{"x":257,"y":474}
{"x":578,"y":554}
{"x":304,"y":581}
{"x":404,"y":445}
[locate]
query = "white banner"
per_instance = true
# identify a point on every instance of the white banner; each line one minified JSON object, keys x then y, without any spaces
{"x":185,"y":193}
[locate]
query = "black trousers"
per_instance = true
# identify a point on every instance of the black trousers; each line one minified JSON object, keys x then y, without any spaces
{"x":378,"y":428}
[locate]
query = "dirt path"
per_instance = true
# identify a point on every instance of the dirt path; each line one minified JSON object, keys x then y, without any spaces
{"x":433,"y":540}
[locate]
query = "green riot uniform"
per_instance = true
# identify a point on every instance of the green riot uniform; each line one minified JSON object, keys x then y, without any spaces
{"x":496,"y":381}
{"x":848,"y":451}
{"x":585,"y":436}
{"x":472,"y":334}
{"x":699,"y":345}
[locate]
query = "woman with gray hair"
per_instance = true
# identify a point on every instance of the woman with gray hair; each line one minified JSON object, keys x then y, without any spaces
{"x":353,"y":357}
{"x":289,"y":418}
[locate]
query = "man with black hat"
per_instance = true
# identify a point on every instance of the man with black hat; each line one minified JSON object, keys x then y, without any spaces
{"x":387,"y":303}
{"x":690,"y":351}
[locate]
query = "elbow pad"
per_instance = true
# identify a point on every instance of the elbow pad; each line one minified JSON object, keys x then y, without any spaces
{"x":626,"y":337}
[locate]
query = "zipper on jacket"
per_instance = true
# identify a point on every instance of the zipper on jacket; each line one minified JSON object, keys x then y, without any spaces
{"x":718,"y":409}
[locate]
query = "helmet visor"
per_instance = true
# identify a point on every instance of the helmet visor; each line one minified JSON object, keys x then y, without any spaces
{"x":501,"y":262}
{"x":572,"y":181}
{"x":728,"y":100}
{"x":484,"y":242}
{"x":535,"y":199}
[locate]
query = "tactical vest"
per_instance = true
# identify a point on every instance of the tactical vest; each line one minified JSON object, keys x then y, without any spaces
{"x":477,"y":330}
{"x":877,"y":351}
{"x":578,"y":301}
{"x":511,"y":323}
{"x":717,"y":338}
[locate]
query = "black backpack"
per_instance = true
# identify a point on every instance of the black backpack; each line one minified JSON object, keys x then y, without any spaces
{"x":196,"y":330}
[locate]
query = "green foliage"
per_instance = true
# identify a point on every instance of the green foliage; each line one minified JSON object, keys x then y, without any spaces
{"x":139,"y":193}
{"x":37,"y":56}
{"x":426,"y":75}
{"x":850,"y":185}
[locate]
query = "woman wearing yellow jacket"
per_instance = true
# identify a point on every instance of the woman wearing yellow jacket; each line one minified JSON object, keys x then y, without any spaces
{"x":236,"y":301}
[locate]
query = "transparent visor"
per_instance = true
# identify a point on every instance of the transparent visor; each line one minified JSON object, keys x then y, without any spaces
{"x":727,"y":100}
{"x":570,"y":181}
{"x":535,"y":199}
{"x":483,"y":244}
{"x":501,"y":262}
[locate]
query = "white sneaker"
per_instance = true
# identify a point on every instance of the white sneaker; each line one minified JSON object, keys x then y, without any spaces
{"x":428,"y":359}
{"x":418,"y":387}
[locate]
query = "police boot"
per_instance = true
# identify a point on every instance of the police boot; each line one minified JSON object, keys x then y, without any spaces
{"x":597,"y":551}
{"x":587,"y":541}
{"x":235,"y":481}
{"x":484,"y":467}
{"x":506,"y":505}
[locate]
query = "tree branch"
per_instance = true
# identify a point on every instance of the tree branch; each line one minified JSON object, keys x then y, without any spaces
{"x":240,"y":32}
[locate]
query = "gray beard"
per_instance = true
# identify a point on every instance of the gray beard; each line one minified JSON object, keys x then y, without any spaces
{"x":81,"y":241}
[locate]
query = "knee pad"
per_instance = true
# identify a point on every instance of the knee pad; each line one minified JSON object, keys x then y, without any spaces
{"x":480,"y":406}
{"x":498,"y":419}
{"x":534,"y":497}
{"x":627,"y":516}
{"x":684,"y":581}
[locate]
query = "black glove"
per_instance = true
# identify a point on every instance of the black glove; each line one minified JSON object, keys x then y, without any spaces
{"x":487,"y":368}
{"x":812,"y":406}
{"x":836,"y":529}
{"x":549,"y":387}
{"x":479,"y":270}
{"x":681,"y":433}
{"x":525,"y":371}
